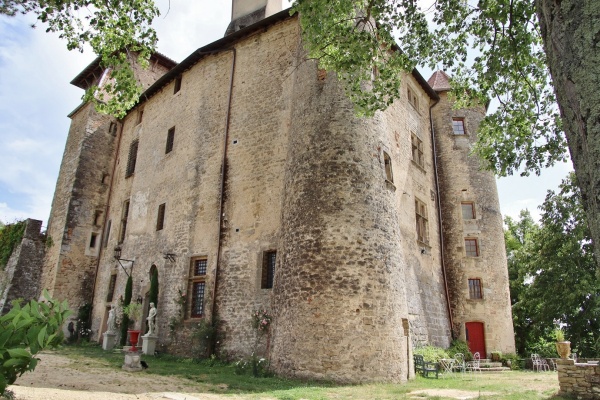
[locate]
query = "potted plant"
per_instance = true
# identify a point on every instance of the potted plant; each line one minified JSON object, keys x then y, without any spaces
{"x":496,"y":356}
{"x":134,"y":312}
{"x":563,"y":347}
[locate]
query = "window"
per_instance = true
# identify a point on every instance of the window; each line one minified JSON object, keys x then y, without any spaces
{"x":388,"y":167}
{"x":107,"y":233}
{"x":417,"y":150}
{"x":93,"y":239}
{"x":111,"y":288}
{"x":268,"y":269}
{"x":140,"y":116}
{"x":177,"y":86}
{"x":124,"y":216}
{"x":105,"y":178}
{"x":472,"y":247}
{"x":421,"y":217}
{"x":112,"y":129}
{"x":475,"y":289}
{"x":458,"y":126}
{"x":97,"y":218}
{"x":170,"y":139}
{"x":160,"y":218}
{"x":133,"y":149}
{"x":468,"y":210}
{"x":197,"y":286}
{"x":412,"y":98}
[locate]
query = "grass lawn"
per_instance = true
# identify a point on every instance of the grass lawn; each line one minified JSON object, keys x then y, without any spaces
{"x":215,"y":377}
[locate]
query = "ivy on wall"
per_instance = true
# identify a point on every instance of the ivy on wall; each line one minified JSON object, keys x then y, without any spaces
{"x":10,"y":237}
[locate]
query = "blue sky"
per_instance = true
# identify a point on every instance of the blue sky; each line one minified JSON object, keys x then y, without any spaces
{"x":35,"y":98}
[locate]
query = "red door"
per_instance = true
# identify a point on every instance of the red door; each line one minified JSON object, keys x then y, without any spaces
{"x":475,"y":338}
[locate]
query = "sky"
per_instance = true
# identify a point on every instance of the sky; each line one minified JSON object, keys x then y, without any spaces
{"x":36,"y":97}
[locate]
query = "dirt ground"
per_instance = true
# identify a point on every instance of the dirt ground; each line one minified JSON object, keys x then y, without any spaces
{"x":58,"y":377}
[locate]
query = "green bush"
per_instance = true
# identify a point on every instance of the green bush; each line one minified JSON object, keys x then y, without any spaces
{"x":10,"y":237}
{"x":205,"y":334}
{"x":460,"y":346}
{"x":512,"y":359}
{"x":257,"y":365}
{"x":431,"y":353}
{"x":25,"y":331}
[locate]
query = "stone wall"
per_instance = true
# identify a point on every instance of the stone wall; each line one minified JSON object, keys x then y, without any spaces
{"x":578,"y":380}
{"x":21,"y":276}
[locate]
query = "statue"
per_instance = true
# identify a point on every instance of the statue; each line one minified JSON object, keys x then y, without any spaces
{"x":151,"y":320}
{"x":112,"y":326}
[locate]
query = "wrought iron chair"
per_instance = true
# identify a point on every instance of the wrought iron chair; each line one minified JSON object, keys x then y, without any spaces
{"x":539,"y":364}
{"x":459,"y":364}
{"x":473,"y":366}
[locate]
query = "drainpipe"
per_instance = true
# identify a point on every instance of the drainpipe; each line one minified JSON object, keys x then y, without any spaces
{"x":222,"y":184}
{"x":439,"y":207}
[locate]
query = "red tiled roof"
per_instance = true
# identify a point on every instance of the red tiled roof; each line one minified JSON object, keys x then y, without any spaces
{"x":439,"y":81}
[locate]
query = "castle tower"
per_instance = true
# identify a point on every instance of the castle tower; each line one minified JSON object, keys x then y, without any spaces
{"x":247,"y":12}
{"x":340,"y":296}
{"x":77,"y":218}
{"x":474,"y":251}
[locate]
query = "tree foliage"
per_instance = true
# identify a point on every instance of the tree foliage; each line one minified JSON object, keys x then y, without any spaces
{"x":118,"y":31}
{"x":492,"y":48}
{"x":10,"y":237}
{"x":24,"y":332}
{"x":553,"y":276}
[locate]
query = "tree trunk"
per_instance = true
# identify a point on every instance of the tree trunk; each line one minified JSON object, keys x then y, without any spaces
{"x":571,"y":34}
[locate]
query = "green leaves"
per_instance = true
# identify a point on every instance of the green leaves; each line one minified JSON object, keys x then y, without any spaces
{"x":25,"y":331}
{"x":491,"y":48}
{"x":119,"y":32}
{"x":553,"y":274}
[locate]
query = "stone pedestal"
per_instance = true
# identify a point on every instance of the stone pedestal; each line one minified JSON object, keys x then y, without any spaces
{"x":132,"y":361}
{"x":149,"y":344}
{"x":109,"y":341}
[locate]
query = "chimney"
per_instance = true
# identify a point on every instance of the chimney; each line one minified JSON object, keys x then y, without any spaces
{"x":247,"y":12}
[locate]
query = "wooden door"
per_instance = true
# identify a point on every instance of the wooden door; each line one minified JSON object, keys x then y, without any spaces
{"x":476,"y":338}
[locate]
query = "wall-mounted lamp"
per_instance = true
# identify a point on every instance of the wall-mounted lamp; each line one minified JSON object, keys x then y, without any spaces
{"x":117,"y":256}
{"x":169,"y":256}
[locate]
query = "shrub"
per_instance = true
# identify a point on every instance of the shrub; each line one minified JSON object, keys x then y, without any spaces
{"x":25,"y":331}
{"x":257,"y":365}
{"x":10,"y":237}
{"x":206,"y":335}
{"x":460,"y":346}
{"x":431,"y":353}
{"x":513,"y":360}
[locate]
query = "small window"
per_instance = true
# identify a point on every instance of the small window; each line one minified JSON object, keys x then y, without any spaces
{"x":112,"y":129}
{"x":417,"y":150}
{"x":177,"y":86}
{"x":111,"y":288}
{"x":133,"y":149}
{"x":140,"y":116}
{"x":475,"y":289}
{"x":388,"y":167}
{"x":97,"y":218}
{"x":170,"y":140}
{"x":160,"y":218}
{"x":458,"y":126}
{"x":268,"y":269}
{"x":124,"y":215}
{"x":107,"y":233}
{"x":472,"y":247}
{"x":412,"y":98}
{"x":468,"y":210}
{"x":93,"y":239}
{"x":197,"y":286}
{"x":105,"y":178}
{"x":422,"y":222}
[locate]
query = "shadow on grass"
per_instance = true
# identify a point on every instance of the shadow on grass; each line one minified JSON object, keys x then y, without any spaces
{"x":206,"y":375}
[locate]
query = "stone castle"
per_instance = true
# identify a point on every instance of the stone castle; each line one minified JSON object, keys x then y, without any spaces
{"x":245,"y":180}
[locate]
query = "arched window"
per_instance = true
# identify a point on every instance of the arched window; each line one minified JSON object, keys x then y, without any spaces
{"x":388,"y":167}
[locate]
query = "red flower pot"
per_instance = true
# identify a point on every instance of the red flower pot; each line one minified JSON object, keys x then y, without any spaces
{"x":133,"y":338}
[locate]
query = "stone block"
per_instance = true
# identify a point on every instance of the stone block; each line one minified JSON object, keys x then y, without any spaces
{"x":132,"y":361}
{"x":149,"y":344}
{"x":109,"y":341}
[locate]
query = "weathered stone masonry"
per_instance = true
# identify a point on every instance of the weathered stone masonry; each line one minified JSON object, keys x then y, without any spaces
{"x":334,"y":195}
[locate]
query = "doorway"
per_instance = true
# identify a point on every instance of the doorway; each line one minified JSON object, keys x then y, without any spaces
{"x":476,"y":338}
